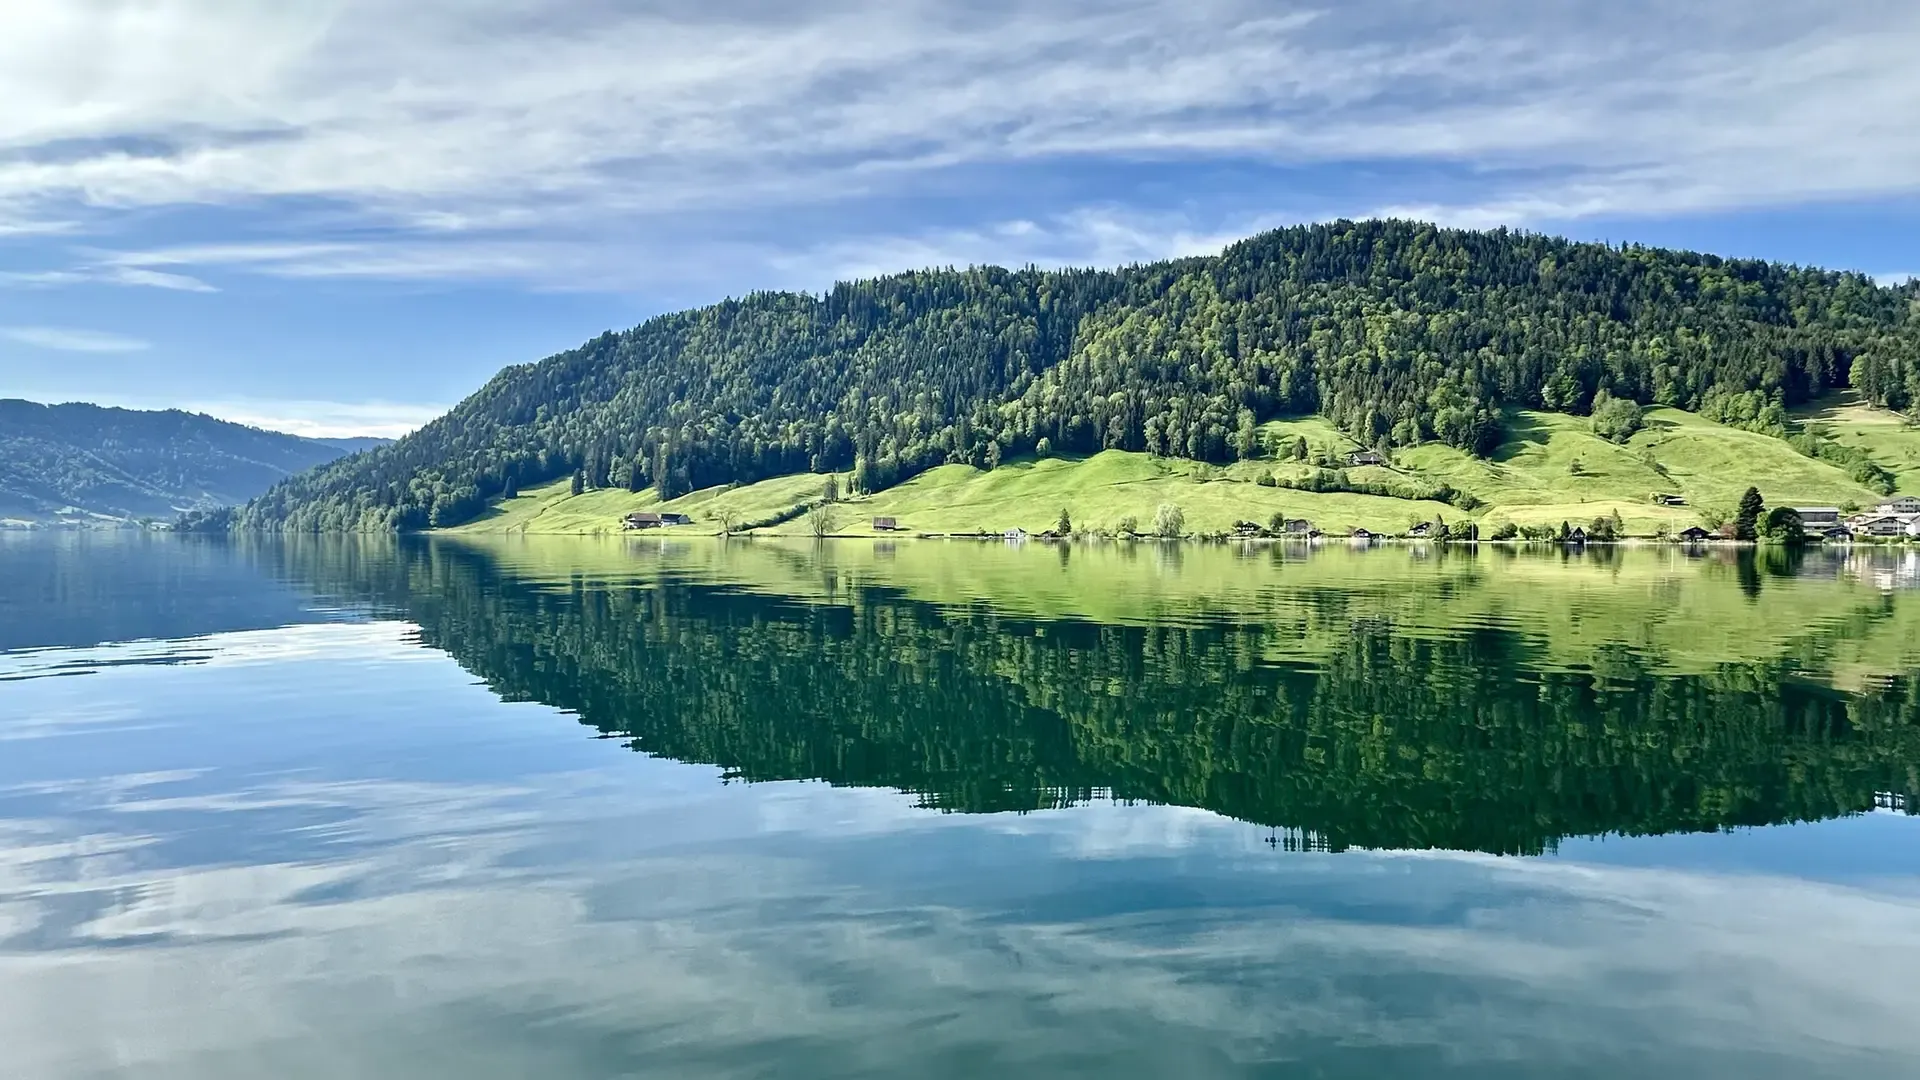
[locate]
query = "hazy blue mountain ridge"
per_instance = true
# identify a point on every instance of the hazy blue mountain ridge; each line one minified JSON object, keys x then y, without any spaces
{"x":81,"y":461}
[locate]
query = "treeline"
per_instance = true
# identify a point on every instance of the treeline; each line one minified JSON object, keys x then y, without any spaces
{"x":1399,"y":332}
{"x":1389,"y":741}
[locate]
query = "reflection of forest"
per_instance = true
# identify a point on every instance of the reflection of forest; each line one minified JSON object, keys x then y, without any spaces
{"x":1387,"y":741}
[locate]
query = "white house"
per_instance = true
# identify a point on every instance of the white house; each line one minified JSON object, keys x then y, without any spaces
{"x":1882,"y":525}
{"x":1905,"y":504}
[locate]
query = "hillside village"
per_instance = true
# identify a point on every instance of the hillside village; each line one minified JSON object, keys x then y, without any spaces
{"x":1679,"y":477}
{"x":1893,"y":520}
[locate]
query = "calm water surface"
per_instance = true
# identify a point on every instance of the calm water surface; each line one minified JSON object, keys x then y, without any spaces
{"x":691,"y":809}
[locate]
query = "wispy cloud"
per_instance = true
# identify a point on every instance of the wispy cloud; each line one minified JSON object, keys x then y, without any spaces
{"x":497,"y":139}
{"x":112,"y":274}
{"x":66,"y":339}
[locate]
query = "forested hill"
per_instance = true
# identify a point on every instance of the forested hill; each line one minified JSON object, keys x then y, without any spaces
{"x":85,"y":461}
{"x":1398,"y":332}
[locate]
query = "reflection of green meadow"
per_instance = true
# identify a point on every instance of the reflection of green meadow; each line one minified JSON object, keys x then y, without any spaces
{"x":1658,"y":608}
{"x":1393,"y":697}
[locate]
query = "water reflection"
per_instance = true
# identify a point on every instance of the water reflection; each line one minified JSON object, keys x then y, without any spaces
{"x":1406,"y":712}
{"x":326,"y":850}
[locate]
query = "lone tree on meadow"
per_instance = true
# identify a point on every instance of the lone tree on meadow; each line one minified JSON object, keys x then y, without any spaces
{"x":1746,"y":523}
{"x":822,"y":520}
{"x":1169,"y":521}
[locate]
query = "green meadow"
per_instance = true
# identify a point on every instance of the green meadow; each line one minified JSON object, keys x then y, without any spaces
{"x":1551,"y":468}
{"x":1893,"y":441}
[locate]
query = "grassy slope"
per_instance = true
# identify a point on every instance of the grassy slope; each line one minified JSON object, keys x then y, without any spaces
{"x":1096,"y":491}
{"x":1891,"y":439}
{"x":1528,"y":481}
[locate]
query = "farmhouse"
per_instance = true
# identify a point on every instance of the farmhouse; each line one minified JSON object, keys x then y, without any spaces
{"x":1300,"y":527}
{"x":1366,"y":457}
{"x":1362,"y":534}
{"x":1578,"y":537}
{"x":1881,"y":525}
{"x":1420,"y":531}
{"x":1694,"y":534}
{"x":885,"y":525}
{"x":641,"y":519}
{"x":675,"y":519}
{"x":1665,"y":499}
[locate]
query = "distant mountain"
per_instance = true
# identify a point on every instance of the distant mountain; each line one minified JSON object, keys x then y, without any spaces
{"x":79,"y":462}
{"x":353,"y":445}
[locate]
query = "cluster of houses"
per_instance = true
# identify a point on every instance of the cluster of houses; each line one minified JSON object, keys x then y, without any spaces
{"x":647,"y":519}
{"x":1299,"y":528}
{"x":1893,"y":518}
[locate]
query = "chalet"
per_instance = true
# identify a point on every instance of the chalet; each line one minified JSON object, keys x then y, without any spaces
{"x":1366,"y":457}
{"x":1818,"y":517}
{"x":1246,"y":530}
{"x":1664,"y":499}
{"x":1299,"y":527}
{"x":1881,"y":525}
{"x":641,"y":519}
{"x":1694,"y":534}
{"x":675,"y":519}
{"x":885,"y":525}
{"x":1578,"y":537}
{"x":1362,"y":534}
{"x":1837,"y":534}
{"x":1420,"y":531}
{"x":1016,"y":535}
{"x":1905,"y":504}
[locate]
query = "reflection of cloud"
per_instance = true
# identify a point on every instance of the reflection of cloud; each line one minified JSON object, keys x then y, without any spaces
{"x":561,"y":927}
{"x":279,"y":645}
{"x":450,"y":909}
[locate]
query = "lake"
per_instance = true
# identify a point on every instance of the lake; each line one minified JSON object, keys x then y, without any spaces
{"x":689,"y":808}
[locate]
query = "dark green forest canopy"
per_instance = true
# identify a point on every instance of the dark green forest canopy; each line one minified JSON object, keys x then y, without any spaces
{"x":1399,"y":332}
{"x":1466,"y":742}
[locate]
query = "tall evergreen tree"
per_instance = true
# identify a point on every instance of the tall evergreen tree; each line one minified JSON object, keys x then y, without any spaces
{"x":1746,"y":523}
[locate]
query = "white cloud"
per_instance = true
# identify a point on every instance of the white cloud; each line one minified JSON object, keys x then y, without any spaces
{"x":66,"y":339}
{"x":323,"y":419}
{"x":517,"y":132}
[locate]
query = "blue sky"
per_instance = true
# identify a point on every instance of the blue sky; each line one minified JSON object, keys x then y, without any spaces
{"x":340,"y":216}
